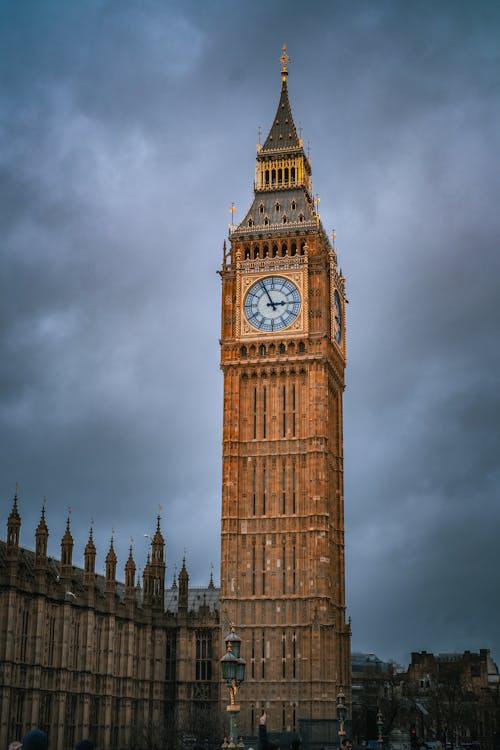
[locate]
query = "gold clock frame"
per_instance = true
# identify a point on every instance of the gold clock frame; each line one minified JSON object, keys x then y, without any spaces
{"x":246,"y":330}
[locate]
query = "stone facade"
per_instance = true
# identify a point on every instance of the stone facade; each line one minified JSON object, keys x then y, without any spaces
{"x":82,"y":655}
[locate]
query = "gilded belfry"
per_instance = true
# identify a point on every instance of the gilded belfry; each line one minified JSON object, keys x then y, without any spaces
{"x":283,"y":358}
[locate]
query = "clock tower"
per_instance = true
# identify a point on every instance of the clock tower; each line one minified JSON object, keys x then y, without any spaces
{"x":283,"y":359}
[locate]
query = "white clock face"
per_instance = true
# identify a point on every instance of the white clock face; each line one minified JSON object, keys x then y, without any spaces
{"x":272,"y":303}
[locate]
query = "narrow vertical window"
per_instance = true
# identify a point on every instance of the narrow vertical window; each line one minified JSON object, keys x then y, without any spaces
{"x":253,"y":660}
{"x":294,"y":717}
{"x":264,"y":409}
{"x":255,"y":413}
{"x":264,"y":479}
{"x":254,"y":562}
{"x":283,"y":655}
{"x":263,"y":656}
{"x":294,"y":661}
{"x":284,"y":411}
{"x":294,"y":491}
{"x":24,"y":636}
{"x":254,"y":490}
{"x":264,"y":567}
{"x":283,"y":491}
{"x":283,"y":718}
{"x":293,"y":410}
{"x":294,"y":567}
{"x":283,"y":566}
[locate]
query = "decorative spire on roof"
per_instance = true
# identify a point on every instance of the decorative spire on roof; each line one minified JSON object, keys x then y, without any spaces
{"x":13,"y":527}
{"x":110,"y":583}
{"x":67,"y":550}
{"x":89,"y":560}
{"x":130,"y":575}
{"x":211,"y":582}
{"x":41,"y":536}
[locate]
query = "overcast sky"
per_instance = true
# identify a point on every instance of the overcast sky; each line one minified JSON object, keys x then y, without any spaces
{"x":126,"y":131}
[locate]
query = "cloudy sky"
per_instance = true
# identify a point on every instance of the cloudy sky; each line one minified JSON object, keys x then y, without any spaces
{"x":126,"y":131}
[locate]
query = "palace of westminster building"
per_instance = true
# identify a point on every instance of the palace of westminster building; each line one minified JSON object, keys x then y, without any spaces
{"x":82,"y":654}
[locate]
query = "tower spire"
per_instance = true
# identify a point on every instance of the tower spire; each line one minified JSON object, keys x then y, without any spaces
{"x":284,"y":62}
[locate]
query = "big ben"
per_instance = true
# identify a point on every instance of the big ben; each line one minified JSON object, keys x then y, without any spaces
{"x":283,"y":359}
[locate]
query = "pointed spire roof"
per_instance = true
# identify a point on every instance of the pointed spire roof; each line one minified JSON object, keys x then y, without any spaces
{"x":90,"y":546}
{"x":130,"y":564}
{"x":14,"y":513}
{"x":283,"y":133}
{"x":111,"y":556}
{"x":67,"y":538}
{"x":42,"y":527}
{"x":158,"y":536}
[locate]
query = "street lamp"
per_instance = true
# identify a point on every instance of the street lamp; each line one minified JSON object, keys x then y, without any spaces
{"x":380,"y":725}
{"x":341,"y":713}
{"x":233,"y":672}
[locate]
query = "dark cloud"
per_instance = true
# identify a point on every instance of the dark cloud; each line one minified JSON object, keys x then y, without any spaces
{"x":126,"y":132}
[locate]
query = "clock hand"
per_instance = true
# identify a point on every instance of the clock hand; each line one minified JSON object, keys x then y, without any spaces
{"x":275,"y":303}
{"x":270,"y":303}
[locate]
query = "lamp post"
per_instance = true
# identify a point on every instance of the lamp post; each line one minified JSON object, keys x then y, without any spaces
{"x":233,"y":672}
{"x":380,"y":725}
{"x":341,"y":714}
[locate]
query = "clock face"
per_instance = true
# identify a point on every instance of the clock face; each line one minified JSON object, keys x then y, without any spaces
{"x":337,"y":312}
{"x":272,"y":303}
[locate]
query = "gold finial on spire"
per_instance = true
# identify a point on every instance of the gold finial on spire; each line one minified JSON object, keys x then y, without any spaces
{"x":284,"y":60}
{"x":232,"y":209}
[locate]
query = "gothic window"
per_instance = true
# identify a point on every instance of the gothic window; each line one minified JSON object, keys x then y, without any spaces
{"x":294,"y":205}
{"x":282,"y":348}
{"x":284,"y":219}
{"x":280,"y":176}
{"x":247,"y":253}
{"x":273,"y":176}
{"x":292,"y":174}
{"x":203,"y":655}
{"x":262,"y":350}
{"x":266,"y":221}
{"x":286,"y":174}
{"x":301,"y":217}
{"x":293,"y":249}
{"x":302,"y":248}
{"x":283,"y":666}
{"x":277,"y":207}
{"x":255,"y":253}
{"x":250,"y":222}
{"x":302,"y":347}
{"x":283,"y":250}
{"x":24,"y":636}
{"x":265,"y":251}
{"x":261,"y":207}
{"x":243,"y":351}
{"x":275,"y":251}
{"x":267,"y":176}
